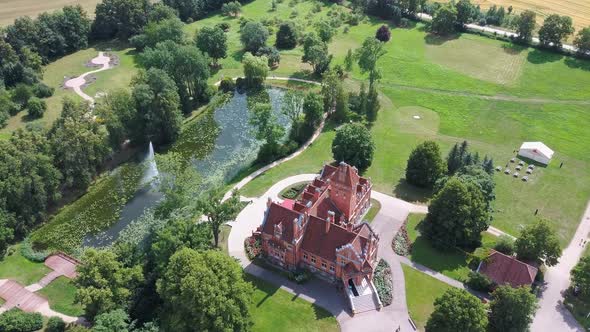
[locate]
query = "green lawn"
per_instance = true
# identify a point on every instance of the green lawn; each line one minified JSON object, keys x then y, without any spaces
{"x":273,"y":307}
{"x":375,"y":207}
{"x":453,"y":263}
{"x":61,"y":294}
{"x":17,"y":267}
{"x":421,"y":291}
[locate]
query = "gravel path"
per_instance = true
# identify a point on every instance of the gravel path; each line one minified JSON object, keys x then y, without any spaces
{"x":77,"y":82}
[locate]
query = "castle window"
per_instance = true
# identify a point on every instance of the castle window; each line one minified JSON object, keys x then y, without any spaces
{"x":313,"y":259}
{"x":324,"y":265}
{"x":331,"y":268}
{"x":304,"y":256}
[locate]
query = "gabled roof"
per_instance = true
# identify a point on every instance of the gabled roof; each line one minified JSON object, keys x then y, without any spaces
{"x":319,"y":242}
{"x":537,"y":148}
{"x":278,"y":214}
{"x":503,"y":269}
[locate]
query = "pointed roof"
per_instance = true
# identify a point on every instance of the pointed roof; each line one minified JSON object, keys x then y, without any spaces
{"x":279,"y":214}
{"x":503,"y":269}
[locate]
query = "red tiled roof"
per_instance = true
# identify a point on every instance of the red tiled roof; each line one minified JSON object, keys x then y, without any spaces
{"x":504,"y":269}
{"x":278,"y":214}
{"x":288,"y":203}
{"x":318,"y":242}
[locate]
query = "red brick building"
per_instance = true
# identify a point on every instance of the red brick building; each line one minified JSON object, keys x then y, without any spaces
{"x":323,"y":231}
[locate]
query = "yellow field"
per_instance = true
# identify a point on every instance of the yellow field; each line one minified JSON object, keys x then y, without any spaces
{"x":11,"y":9}
{"x":578,"y":10}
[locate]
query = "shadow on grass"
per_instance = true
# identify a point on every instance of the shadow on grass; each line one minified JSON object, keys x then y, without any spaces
{"x":267,"y":288}
{"x":540,"y":57}
{"x":583,"y":64}
{"x":513,"y":49}
{"x":411,"y":193}
{"x":452,"y":261}
{"x":237,"y":55}
{"x":432,"y":39}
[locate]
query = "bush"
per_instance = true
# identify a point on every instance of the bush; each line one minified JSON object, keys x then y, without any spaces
{"x":383,"y":282}
{"x":41,"y":90}
{"x":286,"y":36}
{"x":227,"y":85}
{"x":36,"y":107}
{"x":223,"y":26}
{"x":26,"y":249}
{"x":55,"y":324}
{"x":272,"y":54}
{"x":383,"y":34}
{"x":300,"y":276}
{"x":479,"y":282}
{"x":505,"y":245}
{"x":401,"y":243}
{"x":15,"y":320}
{"x":253,"y":247}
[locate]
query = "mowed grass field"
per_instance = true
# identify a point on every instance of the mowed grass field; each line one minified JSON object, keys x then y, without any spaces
{"x":12,"y":9}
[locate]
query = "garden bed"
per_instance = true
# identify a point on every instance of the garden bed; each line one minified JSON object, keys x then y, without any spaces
{"x":383,"y":282}
{"x":293,"y":191}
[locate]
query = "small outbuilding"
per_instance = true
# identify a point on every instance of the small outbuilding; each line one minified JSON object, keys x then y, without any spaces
{"x":507,"y":270}
{"x":536,"y":151}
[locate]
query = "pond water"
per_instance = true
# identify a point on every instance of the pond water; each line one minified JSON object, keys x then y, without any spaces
{"x":218,"y":144}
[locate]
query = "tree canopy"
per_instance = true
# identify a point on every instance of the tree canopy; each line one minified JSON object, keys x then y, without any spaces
{"x":457,"y":310}
{"x":525,"y":25}
{"x":555,"y":30}
{"x":580,"y":276}
{"x":538,"y":242}
{"x":443,"y":22}
{"x":315,"y":52}
{"x":368,"y":55}
{"x":512,"y":309}
{"x":213,"y":41}
{"x":253,"y":36}
{"x":425,"y":165}
{"x":582,"y":41}
{"x":255,"y":70}
{"x":354,"y":145}
{"x":286,"y":36}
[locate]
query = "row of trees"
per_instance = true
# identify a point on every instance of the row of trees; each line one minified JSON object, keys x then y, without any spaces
{"x":511,"y":309}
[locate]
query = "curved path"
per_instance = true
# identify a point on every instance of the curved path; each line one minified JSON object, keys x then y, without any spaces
{"x":77,"y":83}
{"x":387,"y":222}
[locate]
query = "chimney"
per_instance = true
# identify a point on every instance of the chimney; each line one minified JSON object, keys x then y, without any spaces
{"x":329,"y":220}
{"x":268,"y":202}
{"x":295,"y":228}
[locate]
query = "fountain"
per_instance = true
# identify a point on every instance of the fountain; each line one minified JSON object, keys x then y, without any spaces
{"x":152,"y":169}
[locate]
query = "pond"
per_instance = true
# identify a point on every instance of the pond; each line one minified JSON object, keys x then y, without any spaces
{"x":219,"y":144}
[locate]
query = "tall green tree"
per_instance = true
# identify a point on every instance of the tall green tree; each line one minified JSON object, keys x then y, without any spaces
{"x":112,"y":321}
{"x":538,"y":242}
{"x":267,"y":129}
{"x":158,"y":107}
{"x":213,"y":41}
{"x":286,"y":36}
{"x":465,"y":12}
{"x":512,"y":309}
{"x":457,"y":310}
{"x":219,"y":211}
{"x":457,"y":215}
{"x":209,"y":280}
{"x":120,"y":18}
{"x":255,"y":70}
{"x":78,"y":143}
{"x":354,"y":145}
{"x":325,"y":31}
{"x":6,"y":231}
{"x":315,"y":52}
{"x":525,"y":26}
{"x":117,"y":111}
{"x":443,"y":22}
{"x":555,"y":29}
{"x":425,"y":165}
{"x":104,"y":284}
{"x":580,"y":276}
{"x":331,"y":87}
{"x":313,"y":109}
{"x":368,"y":55}
{"x":155,"y":32}
{"x":582,"y":41}
{"x":253,"y":36}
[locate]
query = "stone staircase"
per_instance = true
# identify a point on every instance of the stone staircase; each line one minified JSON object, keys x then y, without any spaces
{"x":366,"y":302}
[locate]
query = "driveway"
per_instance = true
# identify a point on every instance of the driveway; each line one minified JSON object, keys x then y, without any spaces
{"x":387,"y":222}
{"x":552,"y":315}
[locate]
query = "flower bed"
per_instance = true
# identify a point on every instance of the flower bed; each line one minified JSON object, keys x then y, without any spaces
{"x":252,"y":246}
{"x":383,"y":282}
{"x":401,"y":242}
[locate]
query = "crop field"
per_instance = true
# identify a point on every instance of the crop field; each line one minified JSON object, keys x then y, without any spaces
{"x":11,"y":9}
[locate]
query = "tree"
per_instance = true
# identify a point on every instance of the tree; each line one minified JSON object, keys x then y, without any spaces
{"x":186,"y":65}
{"x":425,"y":165}
{"x":383,"y":34}
{"x":457,"y":216}
{"x":315,"y":52}
{"x":292,"y":105}
{"x":465,"y":11}
{"x":219,"y":211}
{"x":538,"y":242}
{"x":158,"y":107}
{"x":457,"y":310}
{"x":232,"y":9}
{"x":341,"y":110}
{"x":15,"y":320}
{"x":443,"y":22}
{"x":268,"y":130}
{"x":21,"y":94}
{"x":78,"y":143}
{"x":55,"y":324}
{"x":325,"y":31}
{"x":525,"y":26}
{"x":213,"y":41}
{"x":253,"y":36}
{"x":120,"y":18}
{"x":512,"y":309}
{"x":112,"y":321}
{"x":368,"y":55}
{"x":6,"y":231}
{"x":582,"y":41}
{"x":349,"y":60}
{"x":117,"y":111}
{"x":255,"y":70}
{"x":313,"y":109}
{"x":476,"y":175}
{"x":354,"y":145}
{"x":211,"y":280}
{"x":331,"y":86}
{"x":555,"y":29}
{"x":36,"y":107}
{"x":272,"y":54}
{"x":104,"y":284}
{"x":373,"y":105}
{"x":580,"y":276}
{"x":286,"y":36}
{"x":156,"y":32}
{"x":505,"y":245}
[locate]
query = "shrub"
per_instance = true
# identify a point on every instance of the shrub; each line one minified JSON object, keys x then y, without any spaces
{"x":227,"y":85}
{"x":223,"y":26}
{"x":36,"y":107}
{"x":15,"y":320}
{"x":286,"y":36}
{"x":41,"y":90}
{"x":401,"y":243}
{"x":272,"y":54}
{"x":505,"y":245}
{"x":383,"y":282}
{"x":383,"y":34}
{"x":253,"y":247}
{"x":479,"y":282}
{"x":300,"y":276}
{"x":55,"y":324}
{"x":26,"y":249}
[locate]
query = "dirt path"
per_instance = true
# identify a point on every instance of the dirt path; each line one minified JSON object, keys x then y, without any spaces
{"x":77,"y":82}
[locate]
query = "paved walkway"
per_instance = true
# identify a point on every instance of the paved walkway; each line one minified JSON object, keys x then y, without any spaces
{"x":552,"y":315}
{"x":26,"y":298}
{"x":387,"y":222}
{"x":77,"y":82}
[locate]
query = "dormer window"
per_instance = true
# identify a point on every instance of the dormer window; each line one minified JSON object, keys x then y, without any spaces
{"x":278,"y":230}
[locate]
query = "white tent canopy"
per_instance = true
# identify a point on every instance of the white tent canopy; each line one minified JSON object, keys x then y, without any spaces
{"x":536,"y":151}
